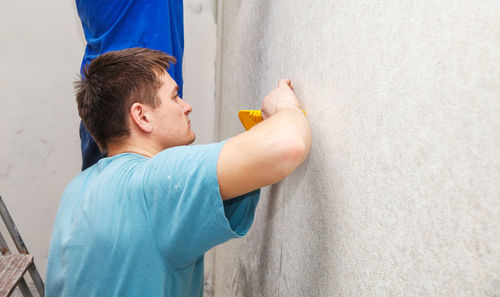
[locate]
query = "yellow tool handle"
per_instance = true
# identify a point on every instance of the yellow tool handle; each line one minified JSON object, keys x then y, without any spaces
{"x":250,"y":118}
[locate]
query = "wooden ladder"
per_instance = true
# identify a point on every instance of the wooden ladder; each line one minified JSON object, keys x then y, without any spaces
{"x":14,"y":266}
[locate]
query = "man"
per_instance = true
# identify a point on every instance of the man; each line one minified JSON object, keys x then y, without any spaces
{"x":110,"y":25}
{"x":138,"y":222}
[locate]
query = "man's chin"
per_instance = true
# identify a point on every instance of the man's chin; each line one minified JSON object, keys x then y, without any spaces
{"x":192,"y":138}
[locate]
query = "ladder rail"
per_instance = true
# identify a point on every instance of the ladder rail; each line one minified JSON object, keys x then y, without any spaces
{"x":21,"y":247}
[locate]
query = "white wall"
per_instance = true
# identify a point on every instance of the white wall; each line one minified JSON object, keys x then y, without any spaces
{"x":199,"y":66}
{"x":40,"y":55}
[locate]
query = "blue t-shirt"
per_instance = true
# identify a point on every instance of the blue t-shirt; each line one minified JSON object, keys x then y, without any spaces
{"x":111,"y":25}
{"x":137,"y":226}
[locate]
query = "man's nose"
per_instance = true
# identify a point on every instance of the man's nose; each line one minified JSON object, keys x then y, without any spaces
{"x":186,"y":107}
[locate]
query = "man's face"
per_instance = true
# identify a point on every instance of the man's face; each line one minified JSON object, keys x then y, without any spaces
{"x":171,"y":123}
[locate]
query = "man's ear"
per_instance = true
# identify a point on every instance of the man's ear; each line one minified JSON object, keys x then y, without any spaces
{"x":141,"y":117}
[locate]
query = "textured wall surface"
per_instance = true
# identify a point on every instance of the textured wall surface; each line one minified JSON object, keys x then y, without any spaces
{"x":40,"y":56}
{"x":400,"y":195}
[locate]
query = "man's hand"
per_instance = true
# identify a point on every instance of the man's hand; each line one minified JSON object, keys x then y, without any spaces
{"x":281,"y":97}
{"x":268,"y":152}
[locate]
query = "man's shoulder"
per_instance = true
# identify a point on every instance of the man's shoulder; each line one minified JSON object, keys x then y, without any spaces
{"x":177,"y":165}
{"x":189,"y":152}
{"x":108,"y":167}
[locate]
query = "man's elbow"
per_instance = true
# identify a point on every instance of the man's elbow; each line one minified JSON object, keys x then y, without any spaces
{"x":294,"y":153}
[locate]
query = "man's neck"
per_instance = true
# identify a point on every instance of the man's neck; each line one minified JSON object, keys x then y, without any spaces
{"x":148,"y":152}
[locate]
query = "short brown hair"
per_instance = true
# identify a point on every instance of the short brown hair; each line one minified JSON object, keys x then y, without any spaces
{"x":112,"y":83}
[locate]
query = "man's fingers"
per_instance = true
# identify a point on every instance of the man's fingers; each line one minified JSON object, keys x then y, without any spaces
{"x":285,"y":83}
{"x":264,"y":114}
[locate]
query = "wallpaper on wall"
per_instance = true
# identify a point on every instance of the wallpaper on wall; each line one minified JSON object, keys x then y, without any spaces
{"x":400,"y":193}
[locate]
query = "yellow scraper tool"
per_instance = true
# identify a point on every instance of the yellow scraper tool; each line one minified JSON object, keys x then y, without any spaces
{"x":250,"y":118}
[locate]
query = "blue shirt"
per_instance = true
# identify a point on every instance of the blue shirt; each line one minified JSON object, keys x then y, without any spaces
{"x":111,"y":25}
{"x":137,"y":226}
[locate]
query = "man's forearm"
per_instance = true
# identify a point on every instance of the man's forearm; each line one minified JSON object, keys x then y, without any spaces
{"x":268,"y":152}
{"x":288,"y":134}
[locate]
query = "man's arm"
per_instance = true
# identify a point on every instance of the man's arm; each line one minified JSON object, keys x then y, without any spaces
{"x":268,"y":152}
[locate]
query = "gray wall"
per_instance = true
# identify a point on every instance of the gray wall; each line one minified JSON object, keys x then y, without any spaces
{"x":400,"y":193}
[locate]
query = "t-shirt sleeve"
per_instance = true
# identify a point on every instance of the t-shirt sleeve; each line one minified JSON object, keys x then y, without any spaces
{"x":188,"y":216}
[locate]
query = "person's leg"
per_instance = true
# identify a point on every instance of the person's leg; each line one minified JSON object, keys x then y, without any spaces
{"x":90,"y":151}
